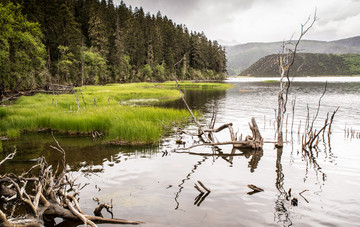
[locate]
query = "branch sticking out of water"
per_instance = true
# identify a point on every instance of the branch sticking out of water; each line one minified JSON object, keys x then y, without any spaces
{"x":10,"y":156}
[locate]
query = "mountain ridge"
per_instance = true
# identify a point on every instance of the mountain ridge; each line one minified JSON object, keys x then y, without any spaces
{"x":307,"y":64}
{"x":242,"y":56}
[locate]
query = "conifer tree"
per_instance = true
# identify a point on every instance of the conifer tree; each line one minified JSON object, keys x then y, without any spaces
{"x":129,"y":44}
{"x":22,"y":62}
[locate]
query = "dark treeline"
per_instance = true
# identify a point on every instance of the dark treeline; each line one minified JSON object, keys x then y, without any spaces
{"x":95,"y":42}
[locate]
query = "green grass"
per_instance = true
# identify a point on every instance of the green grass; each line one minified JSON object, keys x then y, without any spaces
{"x":270,"y":81}
{"x":114,"y":114}
{"x":196,"y":85}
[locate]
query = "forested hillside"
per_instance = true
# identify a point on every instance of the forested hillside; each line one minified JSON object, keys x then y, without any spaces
{"x":242,"y":56}
{"x":307,"y":64}
{"x":78,"y":42}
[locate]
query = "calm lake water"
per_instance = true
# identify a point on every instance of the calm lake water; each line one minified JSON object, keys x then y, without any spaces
{"x":159,"y":189}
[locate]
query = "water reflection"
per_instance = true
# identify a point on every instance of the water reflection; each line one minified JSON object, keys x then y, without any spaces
{"x":199,"y":100}
{"x":187,"y":177}
{"x":253,"y":155}
{"x":82,"y":153}
{"x":200,"y":198}
{"x":281,"y":204}
{"x":137,"y":178}
{"x":310,"y":158}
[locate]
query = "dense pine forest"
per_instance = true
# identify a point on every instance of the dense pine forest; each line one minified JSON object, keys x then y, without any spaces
{"x":78,"y":42}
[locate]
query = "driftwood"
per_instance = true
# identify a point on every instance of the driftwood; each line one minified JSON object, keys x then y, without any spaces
{"x":251,"y":142}
{"x":59,"y":88}
{"x":255,"y":188}
{"x":46,"y":194}
{"x":48,"y":88}
{"x":254,"y":142}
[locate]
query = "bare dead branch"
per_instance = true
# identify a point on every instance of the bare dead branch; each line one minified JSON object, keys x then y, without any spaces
{"x":286,"y":61}
{"x":331,"y":120}
{"x":202,"y":185}
{"x":82,"y":217}
{"x":60,"y":149}
{"x":9,"y":156}
{"x":318,"y":108}
{"x":255,"y":188}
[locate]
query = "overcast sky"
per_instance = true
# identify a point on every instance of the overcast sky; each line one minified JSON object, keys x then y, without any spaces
{"x":243,"y":21}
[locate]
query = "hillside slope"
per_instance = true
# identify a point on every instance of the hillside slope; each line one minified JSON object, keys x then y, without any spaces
{"x":242,"y":56}
{"x":308,"y":64}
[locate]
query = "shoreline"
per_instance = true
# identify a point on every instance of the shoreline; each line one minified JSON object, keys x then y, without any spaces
{"x":330,"y":79}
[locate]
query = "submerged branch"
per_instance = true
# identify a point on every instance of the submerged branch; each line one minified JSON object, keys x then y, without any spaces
{"x":10,"y":156}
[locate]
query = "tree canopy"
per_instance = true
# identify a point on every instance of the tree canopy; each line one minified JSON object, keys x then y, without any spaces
{"x":90,"y":41}
{"x":22,"y":54}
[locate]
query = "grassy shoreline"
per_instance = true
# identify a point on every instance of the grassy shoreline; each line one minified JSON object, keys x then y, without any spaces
{"x":114,"y":110}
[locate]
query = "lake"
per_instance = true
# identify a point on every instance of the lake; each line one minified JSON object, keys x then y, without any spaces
{"x":147,"y":185}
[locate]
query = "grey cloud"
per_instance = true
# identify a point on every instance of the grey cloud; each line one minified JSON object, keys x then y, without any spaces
{"x":243,"y":20}
{"x":339,"y":11}
{"x":177,"y":8}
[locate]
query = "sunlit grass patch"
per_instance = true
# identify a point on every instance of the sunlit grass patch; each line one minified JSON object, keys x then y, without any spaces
{"x":98,"y":108}
{"x":270,"y":81}
{"x":196,"y":85}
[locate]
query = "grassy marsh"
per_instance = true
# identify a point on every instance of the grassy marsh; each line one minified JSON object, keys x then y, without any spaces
{"x":114,"y":114}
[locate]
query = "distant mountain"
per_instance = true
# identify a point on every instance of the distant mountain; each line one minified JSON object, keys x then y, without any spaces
{"x":307,"y":64}
{"x":242,"y":56}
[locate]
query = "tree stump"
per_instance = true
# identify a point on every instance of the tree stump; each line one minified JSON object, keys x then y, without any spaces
{"x":255,"y":141}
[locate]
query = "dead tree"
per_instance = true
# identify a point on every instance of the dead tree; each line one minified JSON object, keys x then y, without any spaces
{"x":251,"y":142}
{"x":42,"y":194}
{"x":286,"y":61}
{"x":311,"y":137}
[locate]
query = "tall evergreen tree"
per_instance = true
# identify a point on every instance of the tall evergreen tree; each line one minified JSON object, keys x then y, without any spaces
{"x":129,"y":44}
{"x":22,"y":64}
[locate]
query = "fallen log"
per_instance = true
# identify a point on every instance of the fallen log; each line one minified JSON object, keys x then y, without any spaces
{"x":254,"y":142}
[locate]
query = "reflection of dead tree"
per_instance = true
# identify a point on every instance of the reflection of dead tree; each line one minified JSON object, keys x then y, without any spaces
{"x":254,"y":161}
{"x":286,"y":61}
{"x":41,"y":194}
{"x":254,"y":154}
{"x":312,"y":137}
{"x":185,"y":179}
{"x":281,"y":209}
{"x":201,"y":197}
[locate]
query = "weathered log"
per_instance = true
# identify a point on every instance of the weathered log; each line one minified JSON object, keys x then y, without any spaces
{"x":58,"y":87}
{"x":255,"y":142}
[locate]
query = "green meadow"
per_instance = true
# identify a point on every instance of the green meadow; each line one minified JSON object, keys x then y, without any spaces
{"x":123,"y":113}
